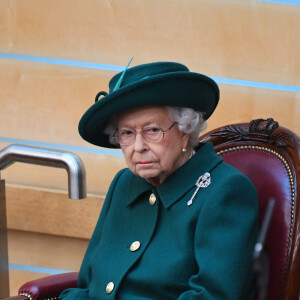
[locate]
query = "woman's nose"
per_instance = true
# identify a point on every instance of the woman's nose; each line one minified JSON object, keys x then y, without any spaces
{"x":139,"y":144}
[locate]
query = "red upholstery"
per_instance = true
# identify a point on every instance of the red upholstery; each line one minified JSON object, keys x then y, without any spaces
{"x":271,"y":179}
{"x":50,"y":286}
{"x":270,"y":156}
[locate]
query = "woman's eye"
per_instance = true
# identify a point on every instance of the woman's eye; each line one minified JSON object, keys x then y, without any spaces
{"x":125,"y":133}
{"x":152,"y":130}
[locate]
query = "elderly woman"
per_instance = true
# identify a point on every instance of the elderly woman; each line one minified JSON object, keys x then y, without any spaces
{"x":178,"y":223}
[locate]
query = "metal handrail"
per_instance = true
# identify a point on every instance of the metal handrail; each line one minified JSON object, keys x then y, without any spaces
{"x":37,"y":156}
{"x":51,"y":158}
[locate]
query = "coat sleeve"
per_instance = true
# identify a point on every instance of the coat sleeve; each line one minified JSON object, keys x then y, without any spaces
{"x":225,"y":236}
{"x":81,"y":292}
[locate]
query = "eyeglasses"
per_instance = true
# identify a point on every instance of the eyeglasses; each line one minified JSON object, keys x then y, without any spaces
{"x":153,"y":134}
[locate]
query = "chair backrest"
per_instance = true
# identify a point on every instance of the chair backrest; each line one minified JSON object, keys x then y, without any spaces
{"x":270,"y":156}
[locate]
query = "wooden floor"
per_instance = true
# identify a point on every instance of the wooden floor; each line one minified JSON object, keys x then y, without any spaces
{"x":33,"y":255}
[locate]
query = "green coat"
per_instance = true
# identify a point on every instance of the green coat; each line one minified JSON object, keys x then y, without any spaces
{"x":202,"y":251}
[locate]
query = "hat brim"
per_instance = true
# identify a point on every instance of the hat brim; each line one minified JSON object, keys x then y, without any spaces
{"x":183,"y":89}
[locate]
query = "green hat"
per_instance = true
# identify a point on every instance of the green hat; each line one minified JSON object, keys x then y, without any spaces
{"x":160,"y":83}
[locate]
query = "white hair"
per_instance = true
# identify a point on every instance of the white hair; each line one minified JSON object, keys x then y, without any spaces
{"x":188,"y":121}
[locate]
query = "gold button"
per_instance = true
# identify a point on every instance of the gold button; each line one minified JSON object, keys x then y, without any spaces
{"x":135,"y":246}
{"x":152,"y":199}
{"x":110,"y":287}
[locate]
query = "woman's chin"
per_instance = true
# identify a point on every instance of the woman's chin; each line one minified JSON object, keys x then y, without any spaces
{"x":146,"y":174}
{"x":152,"y":176}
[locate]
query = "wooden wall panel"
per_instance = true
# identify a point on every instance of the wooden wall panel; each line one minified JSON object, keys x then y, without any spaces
{"x":243,"y":104}
{"x":235,"y":39}
{"x":47,"y":251}
{"x":51,"y":213}
{"x":45,"y":102}
{"x":43,"y":251}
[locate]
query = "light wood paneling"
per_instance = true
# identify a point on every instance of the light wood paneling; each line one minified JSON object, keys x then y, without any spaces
{"x":45,"y":102}
{"x":243,"y":104}
{"x":51,"y":213}
{"x":234,"y":39}
{"x":44,"y":251}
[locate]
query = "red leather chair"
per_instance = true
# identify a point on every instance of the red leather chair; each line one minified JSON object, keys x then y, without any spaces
{"x":270,"y":156}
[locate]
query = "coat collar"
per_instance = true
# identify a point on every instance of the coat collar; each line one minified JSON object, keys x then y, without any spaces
{"x":180,"y":182}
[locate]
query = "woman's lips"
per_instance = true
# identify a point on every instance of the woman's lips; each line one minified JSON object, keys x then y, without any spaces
{"x":144,"y":162}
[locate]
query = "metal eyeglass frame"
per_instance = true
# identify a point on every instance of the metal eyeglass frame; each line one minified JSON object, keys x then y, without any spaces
{"x":163,"y":131}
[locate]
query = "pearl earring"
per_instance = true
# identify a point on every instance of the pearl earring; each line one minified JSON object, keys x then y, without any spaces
{"x":183,"y":149}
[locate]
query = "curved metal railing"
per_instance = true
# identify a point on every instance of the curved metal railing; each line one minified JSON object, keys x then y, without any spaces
{"x":51,"y":158}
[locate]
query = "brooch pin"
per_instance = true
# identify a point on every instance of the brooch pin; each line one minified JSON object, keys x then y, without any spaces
{"x":202,"y":182}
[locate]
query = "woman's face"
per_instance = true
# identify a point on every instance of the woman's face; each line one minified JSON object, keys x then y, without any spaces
{"x":154,"y":161}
